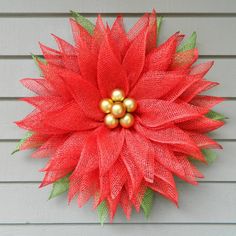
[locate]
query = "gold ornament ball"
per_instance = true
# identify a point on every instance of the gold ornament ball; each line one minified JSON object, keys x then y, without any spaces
{"x":106,"y":105}
{"x":117,"y":95}
{"x":110,"y":121}
{"x":130,"y":104}
{"x":127,"y":121}
{"x":118,"y":110}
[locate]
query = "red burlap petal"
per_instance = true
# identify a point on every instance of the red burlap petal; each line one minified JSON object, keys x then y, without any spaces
{"x":39,"y":86}
{"x":184,"y":60}
{"x":45,"y":103}
{"x":89,"y":159}
{"x":80,"y":33}
{"x":173,"y":136}
{"x":119,"y":37}
{"x":142,"y":154}
{"x":71,"y":118}
{"x":153,"y":113}
{"x":161,"y":58}
{"x":141,"y":24}
{"x":49,"y":147}
{"x":156,"y":83}
{"x":80,"y":89}
{"x":110,"y":71}
{"x":133,"y":61}
{"x":117,"y":166}
{"x":206,"y":101}
{"x":201,"y":125}
{"x":165,"y":189}
{"x":109,"y":146}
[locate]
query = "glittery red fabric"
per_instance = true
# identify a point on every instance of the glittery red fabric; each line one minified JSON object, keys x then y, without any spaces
{"x":117,"y":165}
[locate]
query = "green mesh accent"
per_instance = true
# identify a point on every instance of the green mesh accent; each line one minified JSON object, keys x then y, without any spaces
{"x":215,"y":116}
{"x":159,"y":21}
{"x":18,"y":146}
{"x":189,"y":44}
{"x":87,"y":24}
{"x":147,"y":202}
{"x":102,"y":211}
{"x":59,"y":187}
{"x":36,"y":59}
{"x":209,"y":155}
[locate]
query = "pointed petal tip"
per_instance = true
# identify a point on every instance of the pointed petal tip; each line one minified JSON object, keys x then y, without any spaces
{"x":201,"y":176}
{"x":40,"y":45}
{"x":22,"y":81}
{"x":42,"y":185}
{"x":69,"y":199}
{"x":175,"y":200}
{"x":194,"y":34}
{"x":99,"y":19}
{"x":111,"y":219}
{"x":72,"y":21}
{"x":43,"y":47}
{"x":128,"y":216}
{"x":18,"y":123}
{"x":55,"y":36}
{"x":26,"y":100}
{"x":194,"y":183}
{"x":210,"y":62}
{"x":153,"y":11}
{"x":43,"y":169}
{"x":177,"y":204}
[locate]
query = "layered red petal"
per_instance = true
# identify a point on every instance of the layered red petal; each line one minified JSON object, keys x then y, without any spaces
{"x":170,"y":123}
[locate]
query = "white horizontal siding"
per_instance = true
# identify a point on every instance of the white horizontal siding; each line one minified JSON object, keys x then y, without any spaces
{"x":208,"y":209}
{"x":223,"y":72}
{"x":216,"y":35}
{"x":114,"y":6}
{"x":206,"y":203}
{"x":120,"y":229}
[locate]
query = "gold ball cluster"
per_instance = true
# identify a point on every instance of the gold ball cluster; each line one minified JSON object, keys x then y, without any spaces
{"x":118,"y":110}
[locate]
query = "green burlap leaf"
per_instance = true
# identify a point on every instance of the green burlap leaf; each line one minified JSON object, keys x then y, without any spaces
{"x":59,"y":187}
{"x":209,"y":155}
{"x":87,"y":24}
{"x":189,"y":44}
{"x":147,"y":202}
{"x":159,"y":21}
{"x":36,"y":59}
{"x":18,"y":146}
{"x":215,"y":116}
{"x":102,"y":210}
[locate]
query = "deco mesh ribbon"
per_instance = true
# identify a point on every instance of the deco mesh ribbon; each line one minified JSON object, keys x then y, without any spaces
{"x":119,"y":116}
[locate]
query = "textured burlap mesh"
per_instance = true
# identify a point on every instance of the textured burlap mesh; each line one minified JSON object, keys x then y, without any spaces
{"x":118,"y":165}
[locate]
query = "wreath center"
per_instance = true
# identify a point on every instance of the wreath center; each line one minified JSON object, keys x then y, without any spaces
{"x":118,"y":109}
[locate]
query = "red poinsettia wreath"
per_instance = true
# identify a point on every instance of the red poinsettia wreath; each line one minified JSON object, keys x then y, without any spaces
{"x":118,"y":116}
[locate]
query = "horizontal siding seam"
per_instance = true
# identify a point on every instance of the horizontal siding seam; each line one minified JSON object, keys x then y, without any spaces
{"x":114,"y":223}
{"x":127,"y":14}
